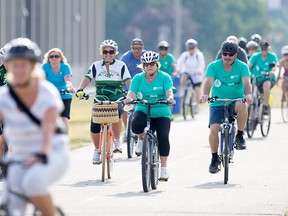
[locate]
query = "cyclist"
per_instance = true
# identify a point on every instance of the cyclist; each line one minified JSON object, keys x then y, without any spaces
{"x":153,"y":84}
{"x":166,"y":60}
{"x":59,"y":73}
{"x":132,"y":59}
{"x":241,"y":53}
{"x":264,"y":62}
{"x":252,"y":47}
{"x":242,"y":42}
{"x":109,"y":75}
{"x":43,"y":149}
{"x":229,"y":78}
{"x":257,"y":38}
{"x":191,"y":64}
{"x":283,"y":63}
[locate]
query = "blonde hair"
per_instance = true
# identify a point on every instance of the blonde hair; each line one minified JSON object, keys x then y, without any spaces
{"x":47,"y":54}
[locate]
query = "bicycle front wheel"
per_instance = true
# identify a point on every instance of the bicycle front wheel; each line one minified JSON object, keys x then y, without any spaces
{"x":109,"y":156}
{"x":155,"y":162}
{"x":103,"y":151}
{"x":146,"y":163}
{"x":226,"y":155}
{"x":130,"y":138}
{"x":187,"y":103}
{"x":265,"y":122}
{"x":284,"y":110}
{"x":251,"y":120}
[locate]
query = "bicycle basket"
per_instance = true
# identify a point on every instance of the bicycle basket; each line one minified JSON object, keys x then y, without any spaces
{"x":105,"y":113}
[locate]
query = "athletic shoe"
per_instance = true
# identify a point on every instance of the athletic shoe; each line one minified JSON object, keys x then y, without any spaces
{"x":118,"y":146}
{"x":164,"y":175}
{"x":96,"y":157}
{"x":138,"y":148}
{"x":215,"y":165}
{"x":240,"y":143}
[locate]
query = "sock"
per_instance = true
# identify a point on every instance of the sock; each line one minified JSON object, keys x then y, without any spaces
{"x":215,"y":155}
{"x":239,"y":133}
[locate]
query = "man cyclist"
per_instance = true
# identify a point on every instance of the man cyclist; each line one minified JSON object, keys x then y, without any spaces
{"x":264,"y":63}
{"x":252,"y":47}
{"x":132,"y":59}
{"x":229,"y":78}
{"x":257,"y":38}
{"x":191,"y":65}
{"x":166,"y":59}
{"x":242,"y":42}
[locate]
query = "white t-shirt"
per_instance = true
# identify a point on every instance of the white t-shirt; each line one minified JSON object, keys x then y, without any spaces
{"x":20,"y":132}
{"x":194,"y":65}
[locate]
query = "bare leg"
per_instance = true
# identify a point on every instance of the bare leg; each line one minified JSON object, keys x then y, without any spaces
{"x":163,"y":161}
{"x":183,"y":81}
{"x":95,"y":139}
{"x":266,"y":90}
{"x":44,"y":204}
{"x":116,"y":128}
{"x":214,"y":137}
{"x":2,"y":146}
{"x":197,"y":91}
{"x":242,"y":114}
{"x":284,"y":88}
{"x":124,"y":118}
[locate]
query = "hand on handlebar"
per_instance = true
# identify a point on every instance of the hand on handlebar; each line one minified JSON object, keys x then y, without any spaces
{"x":128,"y":100}
{"x":171,"y":101}
{"x":249,"y":99}
{"x":80,"y":94}
{"x":204,"y":99}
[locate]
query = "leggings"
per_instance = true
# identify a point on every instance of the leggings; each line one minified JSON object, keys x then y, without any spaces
{"x":161,"y":125}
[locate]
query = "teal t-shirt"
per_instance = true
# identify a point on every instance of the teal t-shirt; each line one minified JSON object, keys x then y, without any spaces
{"x":227,"y":84}
{"x":166,"y":64}
{"x":153,"y":92}
{"x":58,"y":79}
{"x":260,"y":65}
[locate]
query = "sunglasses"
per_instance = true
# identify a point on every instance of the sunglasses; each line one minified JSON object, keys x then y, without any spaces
{"x":163,"y":48}
{"x":54,"y":56}
{"x":264,"y":49}
{"x":149,"y":64}
{"x":111,"y":52}
{"x":136,"y":48}
{"x":228,"y":54}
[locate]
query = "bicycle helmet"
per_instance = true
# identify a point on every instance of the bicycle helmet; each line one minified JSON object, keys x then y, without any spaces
{"x":252,"y":44}
{"x":256,"y":37}
{"x":163,"y":44}
{"x":284,"y":50}
{"x":191,"y":43}
{"x":108,"y":43}
{"x":229,"y":46}
{"x":23,"y":48}
{"x":242,"y":42}
{"x":149,"y":56}
{"x":4,"y":49}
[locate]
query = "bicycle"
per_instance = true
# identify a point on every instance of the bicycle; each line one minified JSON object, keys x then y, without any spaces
{"x":189,"y":101}
{"x":284,"y":104}
{"x":5,"y":206}
{"x":256,"y":114}
{"x":106,"y":113}
{"x":150,"y":160}
{"x":131,"y":137}
{"x":227,"y":134}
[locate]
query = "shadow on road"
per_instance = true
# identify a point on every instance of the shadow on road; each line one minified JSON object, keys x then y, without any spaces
{"x":126,"y":160}
{"x":215,"y":185}
{"x":90,"y":183}
{"x":136,"y":194}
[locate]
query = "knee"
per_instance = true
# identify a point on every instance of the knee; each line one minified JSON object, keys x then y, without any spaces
{"x":267,"y":86}
{"x":138,"y":122}
{"x":214,"y":130}
{"x":241,"y":107}
{"x":95,"y":128}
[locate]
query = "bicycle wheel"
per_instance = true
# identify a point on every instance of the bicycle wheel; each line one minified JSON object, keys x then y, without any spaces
{"x":265,"y":122}
{"x":130,"y":138}
{"x":109,"y":158}
{"x":192,"y":106}
{"x":155,"y":166}
{"x":146,"y":163}
{"x":187,"y":103}
{"x":251,"y":121}
{"x":103,"y":151}
{"x":226,"y":155}
{"x":284,"y":110}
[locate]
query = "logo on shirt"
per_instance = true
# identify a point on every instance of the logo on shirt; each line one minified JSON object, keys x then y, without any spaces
{"x":157,"y":88}
{"x":234,"y":76}
{"x":217,"y":83}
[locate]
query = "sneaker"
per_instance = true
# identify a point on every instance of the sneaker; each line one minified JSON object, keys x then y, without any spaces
{"x":196,"y":109}
{"x":164,"y":175}
{"x":240,"y":143}
{"x":124,"y":138}
{"x":215,"y":165}
{"x":96,"y":157}
{"x":118,"y":146}
{"x":138,"y":148}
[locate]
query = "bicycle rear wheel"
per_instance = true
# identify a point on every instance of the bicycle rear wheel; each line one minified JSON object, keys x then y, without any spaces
{"x":226,"y":155}
{"x":187,"y":103}
{"x":155,"y":165}
{"x":146,"y":163}
{"x":265,"y":122}
{"x":103,"y":151}
{"x":251,"y":121}
{"x":130,"y":138}
{"x":284,"y":110}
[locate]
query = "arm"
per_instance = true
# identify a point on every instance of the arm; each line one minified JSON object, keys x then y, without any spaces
{"x":247,"y":89}
{"x":170,"y":97}
{"x":280,"y":70}
{"x":85,"y":81}
{"x":127,"y":83}
{"x":207,"y":88}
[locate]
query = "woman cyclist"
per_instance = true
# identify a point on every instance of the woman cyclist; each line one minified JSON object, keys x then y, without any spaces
{"x":44,"y":150}
{"x":252,"y":48}
{"x":109,"y":75}
{"x":283,"y":63}
{"x":153,"y":85}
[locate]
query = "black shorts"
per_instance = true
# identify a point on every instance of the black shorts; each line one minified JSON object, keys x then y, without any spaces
{"x":67,"y":107}
{"x":260,"y":84}
{"x":194,"y":85}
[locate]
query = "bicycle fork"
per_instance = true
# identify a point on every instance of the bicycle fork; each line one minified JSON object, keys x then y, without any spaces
{"x":231,"y":128}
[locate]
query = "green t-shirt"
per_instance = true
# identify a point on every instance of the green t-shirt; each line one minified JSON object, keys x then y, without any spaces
{"x":227,"y":84}
{"x":259,"y":65}
{"x":166,"y":64}
{"x":3,"y":72}
{"x":153,"y":92}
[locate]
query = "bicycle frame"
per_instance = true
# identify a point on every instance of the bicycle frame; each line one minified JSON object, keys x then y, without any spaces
{"x":107,"y":134}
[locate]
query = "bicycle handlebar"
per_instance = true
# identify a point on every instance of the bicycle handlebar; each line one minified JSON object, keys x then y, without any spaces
{"x":145,"y":102}
{"x":216,"y":98}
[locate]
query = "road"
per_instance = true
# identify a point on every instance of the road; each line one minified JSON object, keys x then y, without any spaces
{"x":258,"y":183}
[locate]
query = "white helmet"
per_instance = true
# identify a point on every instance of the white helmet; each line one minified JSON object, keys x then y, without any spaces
{"x":4,"y":49}
{"x":252,"y":44}
{"x":108,"y":43}
{"x":163,"y":44}
{"x":284,"y":50}
{"x":191,"y":42}
{"x":149,"y":56}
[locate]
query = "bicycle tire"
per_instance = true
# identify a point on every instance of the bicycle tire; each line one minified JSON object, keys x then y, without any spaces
{"x":109,"y":159}
{"x":130,"y":138}
{"x":103,"y":151}
{"x":226,"y":155}
{"x":146,"y":164}
{"x":192,"y":111}
{"x":265,"y":122}
{"x":186,"y":104}
{"x":155,"y":166}
{"x":251,"y":121}
{"x":284,"y":110}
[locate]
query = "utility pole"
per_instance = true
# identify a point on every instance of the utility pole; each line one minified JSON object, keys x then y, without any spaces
{"x":177,"y":28}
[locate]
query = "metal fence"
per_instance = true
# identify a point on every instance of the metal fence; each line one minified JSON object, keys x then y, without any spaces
{"x":75,"y":26}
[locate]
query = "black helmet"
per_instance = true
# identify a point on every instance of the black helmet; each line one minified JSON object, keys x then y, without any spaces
{"x":242,"y":42}
{"x":256,"y":37}
{"x":264,"y":44}
{"x":229,"y":46}
{"x":23,"y":48}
